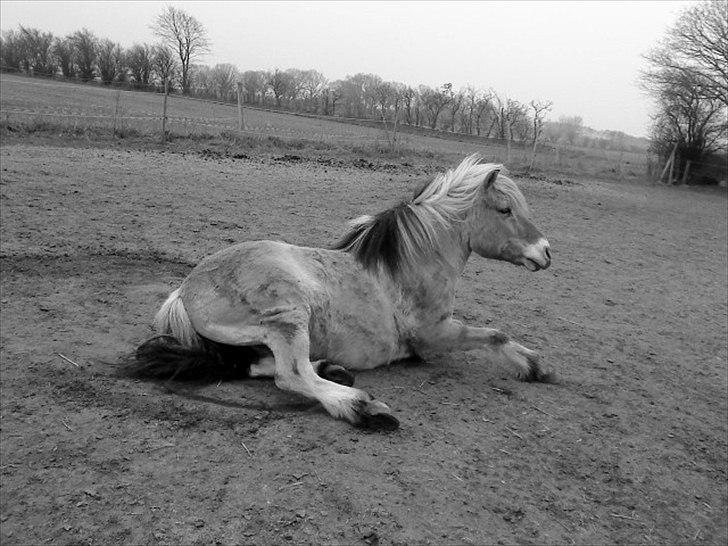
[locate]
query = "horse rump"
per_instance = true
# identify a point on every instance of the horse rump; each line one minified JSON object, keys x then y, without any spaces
{"x":163,"y":357}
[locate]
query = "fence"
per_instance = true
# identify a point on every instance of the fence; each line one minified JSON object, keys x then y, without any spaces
{"x":80,"y":106}
{"x":207,"y":97}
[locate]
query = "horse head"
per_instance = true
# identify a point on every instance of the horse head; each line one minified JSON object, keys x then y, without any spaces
{"x":499,"y":226}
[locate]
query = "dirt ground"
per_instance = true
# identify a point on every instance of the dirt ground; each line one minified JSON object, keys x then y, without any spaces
{"x":629,"y":447}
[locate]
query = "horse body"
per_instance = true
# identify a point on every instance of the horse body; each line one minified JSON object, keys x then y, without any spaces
{"x":384,"y":293}
{"x":353,"y":318}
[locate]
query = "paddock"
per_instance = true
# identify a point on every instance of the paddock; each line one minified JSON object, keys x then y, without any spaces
{"x":629,"y":446}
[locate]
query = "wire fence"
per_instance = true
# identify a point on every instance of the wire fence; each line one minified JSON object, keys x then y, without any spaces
{"x":337,"y":127}
{"x":124,"y":108}
{"x":85,"y":105}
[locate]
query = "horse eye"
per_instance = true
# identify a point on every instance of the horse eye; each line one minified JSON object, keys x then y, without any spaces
{"x":507,"y":212}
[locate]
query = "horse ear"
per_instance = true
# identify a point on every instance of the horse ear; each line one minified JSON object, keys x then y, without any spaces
{"x":488,"y":182}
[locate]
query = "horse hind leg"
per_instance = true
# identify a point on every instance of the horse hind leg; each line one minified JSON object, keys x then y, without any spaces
{"x":295,"y":372}
{"x":266,"y":367}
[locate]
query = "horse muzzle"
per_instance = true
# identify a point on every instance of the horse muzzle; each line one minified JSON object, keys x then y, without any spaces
{"x":537,"y":256}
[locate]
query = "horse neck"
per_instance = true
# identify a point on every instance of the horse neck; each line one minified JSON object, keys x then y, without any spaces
{"x":429,"y":285}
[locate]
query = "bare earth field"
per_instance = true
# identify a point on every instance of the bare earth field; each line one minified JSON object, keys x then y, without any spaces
{"x":630,"y":446}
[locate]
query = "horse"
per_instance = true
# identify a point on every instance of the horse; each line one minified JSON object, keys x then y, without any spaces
{"x":383,"y":293}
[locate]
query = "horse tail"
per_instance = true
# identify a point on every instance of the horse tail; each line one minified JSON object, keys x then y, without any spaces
{"x":172,"y":320}
{"x":177,"y":351}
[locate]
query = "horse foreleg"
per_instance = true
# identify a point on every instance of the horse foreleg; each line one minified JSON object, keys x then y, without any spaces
{"x":452,"y":334}
{"x":294,"y":372}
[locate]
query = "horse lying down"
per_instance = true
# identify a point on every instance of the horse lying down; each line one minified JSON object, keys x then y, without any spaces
{"x":305,"y":316}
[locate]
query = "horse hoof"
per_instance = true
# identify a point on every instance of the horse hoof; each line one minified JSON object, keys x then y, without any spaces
{"x":547,"y":377}
{"x":337,"y":374}
{"x":530,"y":367}
{"x":537,"y":375}
{"x":374,"y":415}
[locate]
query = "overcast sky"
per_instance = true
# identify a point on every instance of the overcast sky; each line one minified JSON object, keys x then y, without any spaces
{"x":584,"y":56}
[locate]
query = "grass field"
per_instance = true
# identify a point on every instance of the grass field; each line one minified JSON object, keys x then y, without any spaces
{"x":628,"y":447}
{"x":61,"y":106}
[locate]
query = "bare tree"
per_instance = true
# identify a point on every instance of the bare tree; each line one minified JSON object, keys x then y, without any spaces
{"x":254,"y":82}
{"x":516,"y":116}
{"x":434,"y":101}
{"x":467,"y":111}
{"x":500,"y":121}
{"x":369,"y":93}
{"x":294,"y":87}
{"x":63,"y":52}
{"x":358,"y":94}
{"x":139,"y":61}
{"x":185,"y":35}
{"x":10,"y":56}
{"x":398,"y":90}
{"x":696,"y":45}
{"x":456,"y":102}
{"x":384,"y":93}
{"x":333,"y":94}
{"x":85,"y":50}
{"x":389,"y":100}
{"x":483,"y":107}
{"x":224,"y":76}
{"x":36,"y":48}
{"x":312,"y":85}
{"x":280,"y":84}
{"x":540,"y":109}
{"x":690,"y":119}
{"x":164,"y":65}
{"x":109,"y":61}
{"x":408,"y":95}
{"x":201,"y":82}
{"x":688,"y":78}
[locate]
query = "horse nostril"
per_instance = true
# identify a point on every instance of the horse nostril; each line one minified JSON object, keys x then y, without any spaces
{"x":548,"y":253}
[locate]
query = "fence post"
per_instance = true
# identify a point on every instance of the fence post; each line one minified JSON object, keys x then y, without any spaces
{"x":668,"y":165}
{"x":116,"y":111}
{"x":241,"y":121}
{"x":672,"y":166}
{"x":508,"y":136}
{"x":164,"y":112}
{"x":685,"y":173}
{"x":533,"y":154}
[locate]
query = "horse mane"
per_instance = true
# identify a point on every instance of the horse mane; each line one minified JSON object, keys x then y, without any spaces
{"x":395,"y":238}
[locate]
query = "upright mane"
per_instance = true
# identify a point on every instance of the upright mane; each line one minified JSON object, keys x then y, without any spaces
{"x":395,"y":238}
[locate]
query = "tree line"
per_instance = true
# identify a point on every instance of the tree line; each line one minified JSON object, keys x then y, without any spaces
{"x":687,"y":76}
{"x":182,"y":40}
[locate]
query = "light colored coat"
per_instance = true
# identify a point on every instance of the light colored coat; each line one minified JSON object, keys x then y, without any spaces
{"x":384,"y":294}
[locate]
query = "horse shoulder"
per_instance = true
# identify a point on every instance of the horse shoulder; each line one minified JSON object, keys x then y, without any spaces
{"x":354,"y":322}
